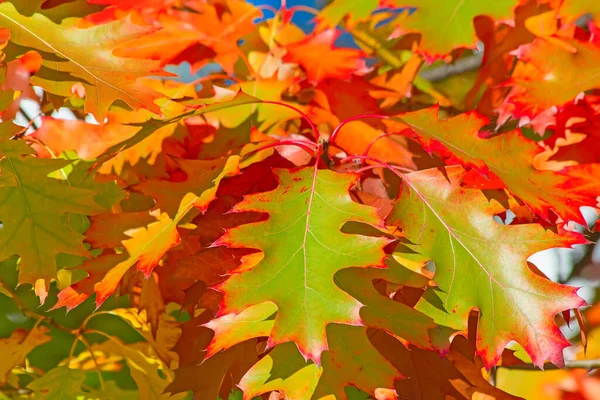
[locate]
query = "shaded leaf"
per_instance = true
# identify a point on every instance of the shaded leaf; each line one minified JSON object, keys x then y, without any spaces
{"x":33,"y":210}
{"x":349,"y":356}
{"x":59,"y":383}
{"x":16,"y":347}
{"x":219,"y":372}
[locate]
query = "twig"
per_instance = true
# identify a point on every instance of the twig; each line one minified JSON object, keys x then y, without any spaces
{"x":376,"y":46}
{"x":98,"y":368}
{"x":458,"y":67}
{"x":338,"y":128}
{"x":31,"y":121}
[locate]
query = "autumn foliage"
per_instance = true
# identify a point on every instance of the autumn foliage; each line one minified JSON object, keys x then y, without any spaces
{"x":344,"y":211}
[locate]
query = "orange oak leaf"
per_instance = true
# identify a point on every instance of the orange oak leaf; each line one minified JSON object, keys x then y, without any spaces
{"x":208,"y":31}
{"x":169,"y":46}
{"x":538,"y":83}
{"x":108,"y":230}
{"x":509,"y":157}
{"x":322,"y":60}
{"x":145,"y":248}
{"x":146,"y":245}
{"x":88,"y":140}
{"x":97,"y":270}
{"x":575,"y":139}
{"x":203,"y":178}
{"x":499,"y":40}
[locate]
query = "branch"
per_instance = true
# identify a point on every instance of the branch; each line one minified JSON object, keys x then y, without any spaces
{"x":461,"y":65}
{"x":575,"y":364}
{"x":30,"y":120}
{"x":376,"y":46}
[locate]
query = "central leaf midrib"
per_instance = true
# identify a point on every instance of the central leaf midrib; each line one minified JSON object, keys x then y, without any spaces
{"x":307,"y":229}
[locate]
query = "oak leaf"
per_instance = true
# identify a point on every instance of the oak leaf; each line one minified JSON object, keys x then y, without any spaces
{"x":321,"y":60}
{"x":307,"y":211}
{"x":203,"y":178}
{"x":350,"y":354}
{"x":570,"y":10}
{"x":107,"y":230}
{"x":150,"y":374}
{"x":575,"y":140}
{"x":16,"y":347}
{"x":538,"y":84}
{"x":209,"y":31}
{"x":59,"y":383}
{"x":65,"y":52}
{"x":33,"y":211}
{"x":428,"y":376}
{"x":507,"y":158}
{"x":447,"y":25}
{"x":284,"y":370}
{"x":88,"y":140}
{"x":381,"y":312}
{"x":145,"y":248}
{"x":219,"y":373}
{"x":482,"y":264}
{"x":355,"y":10}
{"x":161,"y":342}
{"x":232,"y":329}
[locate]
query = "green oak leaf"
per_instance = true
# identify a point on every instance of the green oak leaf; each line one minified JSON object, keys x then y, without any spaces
{"x":482,"y":264}
{"x":303,"y":248}
{"x":357,"y":10}
{"x":446,"y":25}
{"x":33,"y":211}
{"x":60,"y":383}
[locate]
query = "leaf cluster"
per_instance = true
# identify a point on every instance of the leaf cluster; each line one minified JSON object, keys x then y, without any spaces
{"x":305,"y":219}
